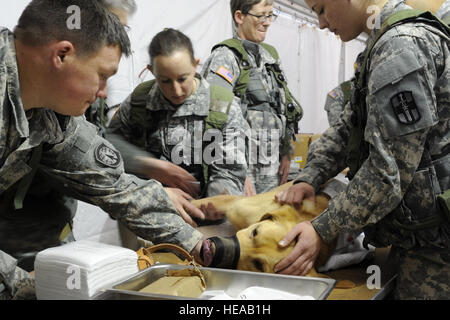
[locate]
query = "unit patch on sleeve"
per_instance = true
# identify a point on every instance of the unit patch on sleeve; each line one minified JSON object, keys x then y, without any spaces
{"x":226,"y":74}
{"x":107,"y":156}
{"x":405,"y":108}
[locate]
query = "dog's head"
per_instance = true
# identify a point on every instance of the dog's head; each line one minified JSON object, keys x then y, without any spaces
{"x":259,"y":242}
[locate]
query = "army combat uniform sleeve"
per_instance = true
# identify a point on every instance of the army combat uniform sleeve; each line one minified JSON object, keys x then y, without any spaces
{"x":395,"y":148}
{"x":334,"y":105}
{"x":14,"y":281}
{"x":89,"y":168}
{"x":222,"y":68}
{"x":227,"y":173}
{"x":326,"y":157}
{"x":119,"y":133}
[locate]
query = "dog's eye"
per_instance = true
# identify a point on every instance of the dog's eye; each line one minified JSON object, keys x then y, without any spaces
{"x":258,"y":265}
{"x":255,"y":232}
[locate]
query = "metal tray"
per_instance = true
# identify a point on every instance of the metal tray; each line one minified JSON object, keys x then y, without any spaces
{"x":231,"y":282}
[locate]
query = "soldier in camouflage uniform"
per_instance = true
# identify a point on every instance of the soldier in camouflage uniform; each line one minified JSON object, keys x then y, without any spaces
{"x":42,"y":147}
{"x":340,"y":96}
{"x":395,"y":136}
{"x":336,"y":101}
{"x":175,"y":129}
{"x":266,"y":101}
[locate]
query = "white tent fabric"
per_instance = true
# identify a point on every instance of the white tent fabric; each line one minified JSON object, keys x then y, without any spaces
{"x":311,"y":58}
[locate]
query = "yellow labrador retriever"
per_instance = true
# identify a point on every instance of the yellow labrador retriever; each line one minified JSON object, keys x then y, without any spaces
{"x":262,"y":223}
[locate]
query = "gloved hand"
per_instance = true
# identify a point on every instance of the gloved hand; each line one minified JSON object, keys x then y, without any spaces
{"x":221,"y":252}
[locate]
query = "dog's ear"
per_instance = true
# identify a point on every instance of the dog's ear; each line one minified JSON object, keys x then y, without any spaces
{"x":267,"y":216}
{"x":285,"y":212}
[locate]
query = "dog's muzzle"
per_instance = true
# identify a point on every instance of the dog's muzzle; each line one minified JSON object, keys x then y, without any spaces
{"x":227,"y":252}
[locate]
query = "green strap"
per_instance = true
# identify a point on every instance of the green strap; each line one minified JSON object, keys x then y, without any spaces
{"x":26,"y":181}
{"x":347,"y":90}
{"x":273,"y":52}
{"x":220,"y":103}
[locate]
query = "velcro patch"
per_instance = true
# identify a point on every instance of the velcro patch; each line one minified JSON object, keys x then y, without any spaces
{"x":107,"y":156}
{"x":226,"y":74}
{"x":405,"y":108}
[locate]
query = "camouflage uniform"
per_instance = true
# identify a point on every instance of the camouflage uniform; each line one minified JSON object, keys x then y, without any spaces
{"x":335,"y":103}
{"x":408,"y":164}
{"x":262,"y":166}
{"x":444,"y":11}
{"x":78,"y":163}
{"x":177,"y":136}
{"x":15,"y":283}
{"x":97,"y":114}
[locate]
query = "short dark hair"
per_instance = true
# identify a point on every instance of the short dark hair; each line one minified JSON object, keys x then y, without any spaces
{"x":44,"y":21}
{"x":167,"y":42}
{"x":244,"y":5}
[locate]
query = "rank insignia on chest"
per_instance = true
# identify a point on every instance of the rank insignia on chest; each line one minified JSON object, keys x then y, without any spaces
{"x":107,"y":156}
{"x":405,"y":108}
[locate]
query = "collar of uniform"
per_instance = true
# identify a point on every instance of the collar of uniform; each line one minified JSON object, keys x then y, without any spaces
{"x":12,"y":82}
{"x":196,"y":104}
{"x":391,"y":7}
{"x":251,"y":47}
{"x":255,"y":51}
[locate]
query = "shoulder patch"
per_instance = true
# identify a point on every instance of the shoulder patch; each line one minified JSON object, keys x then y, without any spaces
{"x":405,"y":108}
{"x":333,"y":94}
{"x":107,"y":156}
{"x":226,"y":74}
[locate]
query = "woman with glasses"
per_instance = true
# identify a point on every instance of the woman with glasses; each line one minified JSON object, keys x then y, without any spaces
{"x":252,"y":70}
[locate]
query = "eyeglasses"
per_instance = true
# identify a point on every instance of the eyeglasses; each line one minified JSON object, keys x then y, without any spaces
{"x":262,"y":17}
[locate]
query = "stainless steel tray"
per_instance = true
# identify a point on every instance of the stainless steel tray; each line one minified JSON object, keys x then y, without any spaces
{"x":232,"y":282}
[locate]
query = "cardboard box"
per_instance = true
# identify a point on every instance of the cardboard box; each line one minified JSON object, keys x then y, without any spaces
{"x":301,"y":147}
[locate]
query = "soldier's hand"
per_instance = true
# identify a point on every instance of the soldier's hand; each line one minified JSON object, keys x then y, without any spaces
{"x":171,"y":176}
{"x":249,"y":189}
{"x":285,"y":166}
{"x":211,"y":213}
{"x":295,"y":195}
{"x":181,"y":201}
{"x":301,"y":259}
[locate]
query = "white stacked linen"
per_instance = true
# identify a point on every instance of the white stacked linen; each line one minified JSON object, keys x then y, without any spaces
{"x":79,"y":270}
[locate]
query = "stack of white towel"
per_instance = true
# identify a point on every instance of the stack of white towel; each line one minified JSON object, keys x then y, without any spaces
{"x":81,"y":269}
